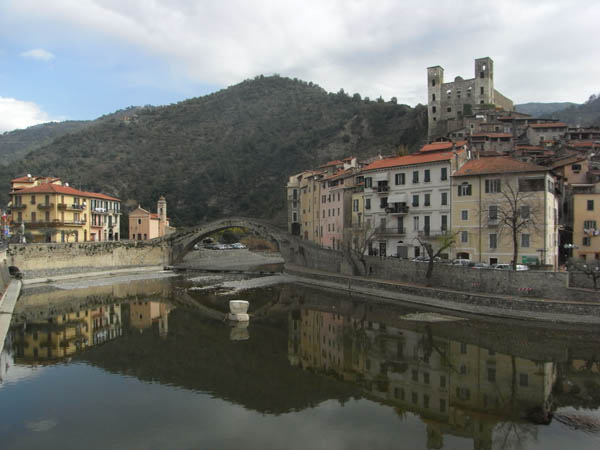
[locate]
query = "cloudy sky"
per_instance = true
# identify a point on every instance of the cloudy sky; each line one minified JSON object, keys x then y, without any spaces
{"x":79,"y":59}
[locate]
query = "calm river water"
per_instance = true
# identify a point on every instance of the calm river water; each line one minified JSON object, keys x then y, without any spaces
{"x":153,"y":365}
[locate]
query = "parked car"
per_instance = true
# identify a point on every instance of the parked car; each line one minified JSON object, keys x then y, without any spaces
{"x":461,"y":262}
{"x":501,"y":266}
{"x":238,"y":245}
{"x":521,"y":267}
{"x":480,"y":266}
{"x":220,"y":247}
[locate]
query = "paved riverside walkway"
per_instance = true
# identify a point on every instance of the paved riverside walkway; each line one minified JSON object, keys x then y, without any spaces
{"x":478,"y":303}
{"x":7,"y":305}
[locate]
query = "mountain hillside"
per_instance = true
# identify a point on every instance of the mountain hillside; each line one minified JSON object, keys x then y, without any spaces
{"x":538,"y":109}
{"x":227,"y":153}
{"x":586,"y":114}
{"x":14,"y":145}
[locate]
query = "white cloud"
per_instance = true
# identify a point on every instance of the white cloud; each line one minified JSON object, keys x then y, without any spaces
{"x":16,"y":114}
{"x":39,"y":54}
{"x":543,"y":50}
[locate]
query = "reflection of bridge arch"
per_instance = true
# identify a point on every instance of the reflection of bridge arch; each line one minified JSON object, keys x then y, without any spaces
{"x":183,"y":241}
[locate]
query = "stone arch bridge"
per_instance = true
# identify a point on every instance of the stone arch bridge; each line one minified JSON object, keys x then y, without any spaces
{"x":182,"y":242}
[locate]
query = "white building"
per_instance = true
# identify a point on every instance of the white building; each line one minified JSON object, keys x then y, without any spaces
{"x":407,"y":197}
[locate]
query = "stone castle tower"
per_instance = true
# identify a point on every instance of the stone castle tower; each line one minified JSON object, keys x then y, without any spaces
{"x":449,"y":103}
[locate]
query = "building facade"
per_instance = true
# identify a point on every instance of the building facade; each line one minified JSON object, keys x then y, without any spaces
{"x":490,"y":192}
{"x":144,"y":225}
{"x":408,"y":198}
{"x":586,"y":222}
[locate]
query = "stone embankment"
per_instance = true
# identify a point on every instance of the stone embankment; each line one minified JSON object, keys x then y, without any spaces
{"x":565,"y":311}
{"x":9,"y":293}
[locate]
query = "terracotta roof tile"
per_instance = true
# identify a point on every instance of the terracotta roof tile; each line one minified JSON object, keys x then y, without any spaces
{"x":332,"y":163}
{"x":548,"y":125}
{"x":415,"y":158}
{"x":583,"y":144}
{"x":496,"y":164}
{"x":49,"y":188}
{"x":498,"y":135}
{"x":439,"y":146}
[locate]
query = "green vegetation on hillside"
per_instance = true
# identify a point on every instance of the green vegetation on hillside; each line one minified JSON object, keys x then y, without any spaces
{"x":586,"y":114}
{"x":538,"y":109}
{"x":228,"y":153}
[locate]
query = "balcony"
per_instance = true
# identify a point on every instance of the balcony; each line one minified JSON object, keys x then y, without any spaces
{"x":391,"y":231}
{"x":399,"y":209}
{"x":19,"y":207}
{"x":72,"y":206}
{"x":428,"y":233}
{"x":383,"y":189}
{"x":54,"y":224}
{"x":45,"y":205}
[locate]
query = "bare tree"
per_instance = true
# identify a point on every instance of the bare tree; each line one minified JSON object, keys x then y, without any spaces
{"x":515,"y":210}
{"x":589,"y":268}
{"x":356,"y":242}
{"x":435,"y":245}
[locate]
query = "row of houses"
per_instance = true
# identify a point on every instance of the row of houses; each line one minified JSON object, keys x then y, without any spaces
{"x":46,"y":209}
{"x":485,"y":203}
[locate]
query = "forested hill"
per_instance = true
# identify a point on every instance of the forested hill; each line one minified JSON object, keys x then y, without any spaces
{"x":227,"y":153}
{"x":586,"y":114}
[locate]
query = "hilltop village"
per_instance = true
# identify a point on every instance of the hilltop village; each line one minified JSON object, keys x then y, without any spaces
{"x":492,"y":184}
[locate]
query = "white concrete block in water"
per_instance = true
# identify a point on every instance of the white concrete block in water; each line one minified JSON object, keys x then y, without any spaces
{"x":238,"y":310}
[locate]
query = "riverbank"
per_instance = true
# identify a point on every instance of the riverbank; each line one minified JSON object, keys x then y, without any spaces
{"x":502,"y":306}
{"x":8,"y":300}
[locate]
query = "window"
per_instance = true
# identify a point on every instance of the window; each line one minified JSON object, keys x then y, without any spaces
{"x":415,"y":200}
{"x":491,"y":375}
{"x":481,"y":88}
{"x":383,"y":203}
{"x":576,"y":168}
{"x":525,"y":211}
{"x":493,"y":213}
{"x":589,"y":224}
{"x":525,"y":240}
{"x":464,"y":214}
{"x":427,"y":175}
{"x":427,"y":200}
{"x":33,"y":217}
{"x":463,"y":348}
{"x":492,"y":186}
{"x":444,"y":223}
{"x":444,"y":200}
{"x":368,"y":182}
{"x":442,"y":381}
{"x":449,"y":109}
{"x":33,"y":199}
{"x":367,"y":203}
{"x":493,"y":240}
{"x":415,"y":375}
{"x":587,"y":241}
{"x":415,"y":399}
{"x":323,"y":198}
{"x":464,"y":190}
{"x":442,"y":405}
{"x":433,"y":109}
{"x":433,"y":83}
{"x":415,"y":176}
{"x":464,"y":237}
{"x":400,"y":179}
{"x":426,"y":401}
{"x":531,"y":184}
{"x":463,"y":369}
{"x":416,"y":225}
{"x":590,"y":205}
{"x":444,"y":175}
{"x":355,"y":205}
{"x":426,"y":377}
{"x":433,"y":97}
{"x":523,"y":380}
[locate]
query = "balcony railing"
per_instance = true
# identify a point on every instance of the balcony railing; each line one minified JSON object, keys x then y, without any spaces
{"x":396,"y":210}
{"x":53,"y":223}
{"x":391,"y":231}
{"x":75,"y":206}
{"x":383,"y":189}
{"x":45,"y":205}
{"x":428,"y":232}
{"x":21,"y":206}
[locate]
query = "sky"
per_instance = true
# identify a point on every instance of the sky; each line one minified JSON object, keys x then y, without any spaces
{"x":80,"y":59}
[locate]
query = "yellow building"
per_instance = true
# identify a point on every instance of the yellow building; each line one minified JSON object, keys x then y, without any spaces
{"x":53,"y":212}
{"x":310,"y":190}
{"x":586,"y":221}
{"x":489,"y":192}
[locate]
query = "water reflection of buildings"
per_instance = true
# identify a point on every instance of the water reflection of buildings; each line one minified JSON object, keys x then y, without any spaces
{"x":61,"y":336}
{"x":456,"y":388}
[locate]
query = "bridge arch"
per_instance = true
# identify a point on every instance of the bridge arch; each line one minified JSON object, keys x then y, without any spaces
{"x":183,"y":241}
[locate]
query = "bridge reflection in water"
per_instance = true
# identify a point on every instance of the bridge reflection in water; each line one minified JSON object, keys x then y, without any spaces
{"x":489,"y":382}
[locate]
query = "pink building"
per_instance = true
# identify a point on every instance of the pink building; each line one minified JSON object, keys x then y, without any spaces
{"x":335,"y":211}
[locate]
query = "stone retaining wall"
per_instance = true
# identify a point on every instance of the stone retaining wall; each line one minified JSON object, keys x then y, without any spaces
{"x":477,"y":300}
{"x":4,"y":277}
{"x":537,"y":284}
{"x":41,"y":260}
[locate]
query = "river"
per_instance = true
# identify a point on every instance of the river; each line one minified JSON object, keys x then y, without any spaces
{"x":152,"y":364}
